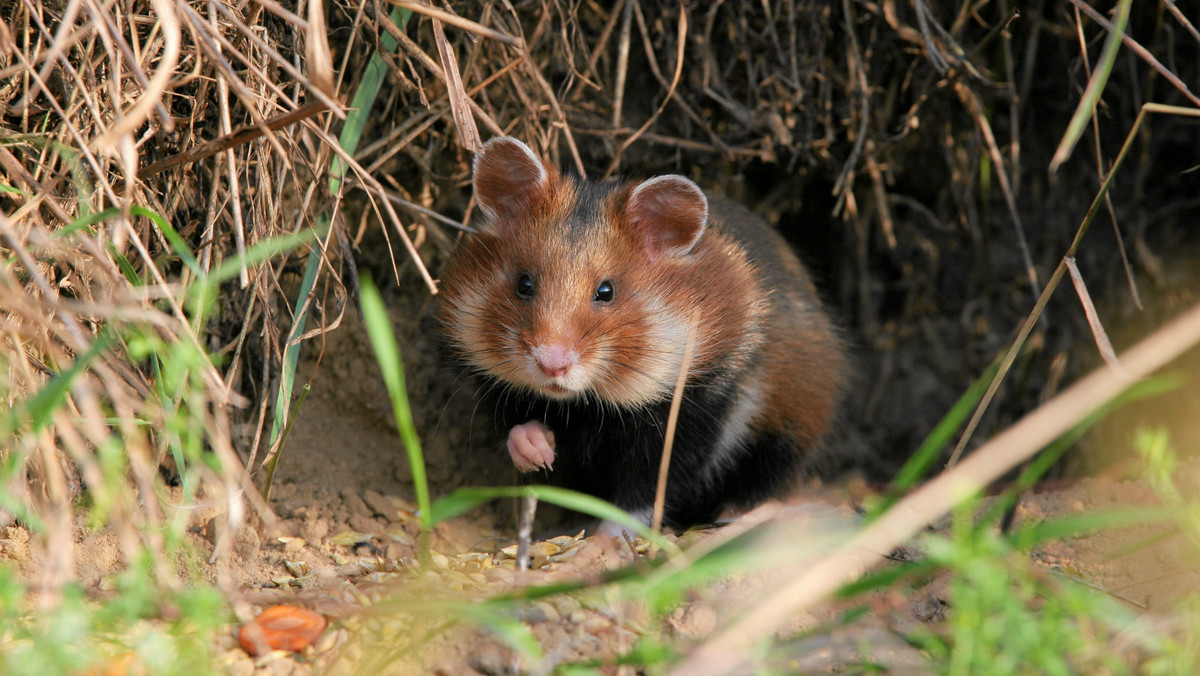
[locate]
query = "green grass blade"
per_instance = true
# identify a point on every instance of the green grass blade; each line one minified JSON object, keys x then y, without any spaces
{"x":632,"y":574}
{"x":86,"y":222}
{"x":173,"y":238}
{"x":1091,"y":96}
{"x":919,"y":463}
{"x":291,"y":353}
{"x":291,"y":419}
{"x":885,"y":578}
{"x":1043,"y":461}
{"x":127,"y":268}
{"x":927,"y":453}
{"x":263,"y":250}
{"x":1084,"y":524}
{"x":37,"y":412}
{"x":80,"y":178}
{"x":169,"y":437}
{"x":497,"y":620}
{"x":202,"y":294}
{"x":6,"y":188}
{"x":13,"y":470}
{"x":387,"y":352}
{"x":41,"y":407}
{"x":464,"y":499}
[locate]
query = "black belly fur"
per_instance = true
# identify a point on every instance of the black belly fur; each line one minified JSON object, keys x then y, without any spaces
{"x":615,"y":454}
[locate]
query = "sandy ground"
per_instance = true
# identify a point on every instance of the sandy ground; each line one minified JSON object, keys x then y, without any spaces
{"x":346,"y":530}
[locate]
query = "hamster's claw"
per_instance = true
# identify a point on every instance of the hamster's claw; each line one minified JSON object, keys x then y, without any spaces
{"x":531,"y":446}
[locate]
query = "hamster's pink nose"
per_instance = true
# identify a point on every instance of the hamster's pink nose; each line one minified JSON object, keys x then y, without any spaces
{"x":554,"y":360}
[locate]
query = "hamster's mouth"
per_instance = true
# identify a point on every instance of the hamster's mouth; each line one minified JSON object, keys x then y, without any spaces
{"x":555,"y":390}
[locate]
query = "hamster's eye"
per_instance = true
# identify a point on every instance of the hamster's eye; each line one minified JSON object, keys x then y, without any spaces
{"x":525,"y":287}
{"x":605,"y":292}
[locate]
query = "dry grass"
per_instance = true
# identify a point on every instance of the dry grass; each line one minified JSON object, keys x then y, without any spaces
{"x":154,"y":153}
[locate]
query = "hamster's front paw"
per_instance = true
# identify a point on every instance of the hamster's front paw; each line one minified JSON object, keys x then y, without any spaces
{"x":531,"y":446}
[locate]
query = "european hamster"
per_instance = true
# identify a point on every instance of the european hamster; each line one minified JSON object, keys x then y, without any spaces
{"x":574,"y":301}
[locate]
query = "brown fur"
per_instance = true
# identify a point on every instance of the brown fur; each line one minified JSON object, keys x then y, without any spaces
{"x":768,"y":365}
{"x":714,"y":279}
{"x":803,"y":365}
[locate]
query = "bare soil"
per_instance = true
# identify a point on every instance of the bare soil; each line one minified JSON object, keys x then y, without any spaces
{"x":347,"y":531}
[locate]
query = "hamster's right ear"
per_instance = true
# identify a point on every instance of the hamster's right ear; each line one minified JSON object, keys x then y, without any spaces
{"x":510,"y":181}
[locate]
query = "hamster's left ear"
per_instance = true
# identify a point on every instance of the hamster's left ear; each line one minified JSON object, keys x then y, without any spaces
{"x":510,"y":181}
{"x":669,"y":213}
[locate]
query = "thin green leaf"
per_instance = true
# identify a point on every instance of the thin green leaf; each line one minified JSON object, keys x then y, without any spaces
{"x":387,"y":352}
{"x":12,"y":466}
{"x":80,"y":177}
{"x":1091,"y":96}
{"x":464,"y":499}
{"x":291,"y":353}
{"x":261,"y":251}
{"x":887,"y":577}
{"x":127,"y":268}
{"x":40,"y":407}
{"x":1085,"y":524}
{"x":173,"y":238}
{"x":646,"y":652}
{"x":292,"y":415}
{"x":510,"y":630}
{"x":930,"y":449}
{"x":1042,"y":462}
{"x":6,"y":188}
{"x":86,"y":222}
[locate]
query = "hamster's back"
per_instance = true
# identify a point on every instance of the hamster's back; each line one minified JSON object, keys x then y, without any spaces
{"x":803,"y":367}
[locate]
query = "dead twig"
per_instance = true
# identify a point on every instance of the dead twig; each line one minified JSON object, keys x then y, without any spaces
{"x":680,"y":42}
{"x":456,"y":20}
{"x":239,"y":137}
{"x":1027,"y":327}
{"x":664,"y":467}
{"x":1093,"y":318}
{"x":460,"y":108}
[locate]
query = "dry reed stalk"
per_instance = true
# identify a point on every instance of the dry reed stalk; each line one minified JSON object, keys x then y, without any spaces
{"x":70,"y":305}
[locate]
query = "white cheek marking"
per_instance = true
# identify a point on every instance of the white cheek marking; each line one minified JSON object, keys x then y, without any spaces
{"x":472,"y":331}
{"x":577,"y":380}
{"x":736,"y":427}
{"x":466,"y":326}
{"x":654,"y":373}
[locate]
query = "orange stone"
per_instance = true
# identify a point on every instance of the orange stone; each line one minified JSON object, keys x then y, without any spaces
{"x":282,"y":628}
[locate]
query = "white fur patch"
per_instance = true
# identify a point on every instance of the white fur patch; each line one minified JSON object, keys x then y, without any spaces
{"x":657,"y":372}
{"x":736,"y":427}
{"x":465,"y":323}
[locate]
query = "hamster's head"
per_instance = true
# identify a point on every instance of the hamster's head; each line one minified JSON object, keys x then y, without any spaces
{"x":579,"y":290}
